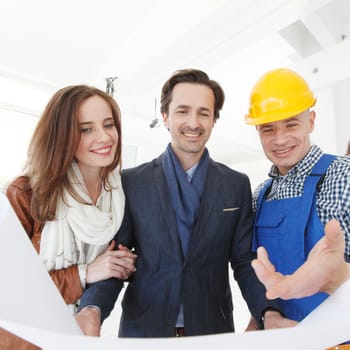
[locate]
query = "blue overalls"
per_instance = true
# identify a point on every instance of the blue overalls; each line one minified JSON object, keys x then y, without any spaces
{"x":288,"y":229}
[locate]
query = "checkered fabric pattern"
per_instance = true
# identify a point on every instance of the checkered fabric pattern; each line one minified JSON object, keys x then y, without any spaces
{"x":333,"y":199}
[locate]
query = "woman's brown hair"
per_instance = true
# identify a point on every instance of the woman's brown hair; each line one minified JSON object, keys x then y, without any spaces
{"x":53,"y":147}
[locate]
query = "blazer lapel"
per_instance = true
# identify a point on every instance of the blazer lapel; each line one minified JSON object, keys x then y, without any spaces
{"x":210,"y":200}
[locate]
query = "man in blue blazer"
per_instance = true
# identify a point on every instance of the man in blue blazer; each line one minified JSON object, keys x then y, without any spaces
{"x":188,"y":218}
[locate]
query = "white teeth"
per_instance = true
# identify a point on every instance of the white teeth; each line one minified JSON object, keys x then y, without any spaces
{"x":190,"y":134}
{"x":284,"y":151}
{"x":102,"y":151}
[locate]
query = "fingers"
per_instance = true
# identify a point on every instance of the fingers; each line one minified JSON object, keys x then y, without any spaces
{"x":334,"y":235}
{"x":120,"y":246}
{"x":120,"y":272}
{"x":264,"y":258}
{"x":111,"y":246}
{"x":112,"y":263}
{"x":266,"y":273}
{"x":119,"y":263}
{"x":264,"y":269}
{"x":267,"y":277}
{"x":122,"y":262}
{"x":274,"y":320}
{"x":252,"y":325}
{"x":127,"y":254}
{"x":122,"y":252}
{"x":124,"y":259}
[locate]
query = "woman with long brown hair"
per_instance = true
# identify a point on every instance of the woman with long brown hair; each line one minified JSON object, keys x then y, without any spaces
{"x":70,"y":198}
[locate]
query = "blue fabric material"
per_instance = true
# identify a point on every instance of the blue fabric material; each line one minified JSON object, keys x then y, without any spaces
{"x":185,"y":195}
{"x":164,"y":279}
{"x":333,"y":199}
{"x":288,"y":229}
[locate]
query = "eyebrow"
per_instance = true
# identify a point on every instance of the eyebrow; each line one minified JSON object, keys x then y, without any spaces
{"x":104,"y":120}
{"x":285,"y":121}
{"x":293,"y":119}
{"x":204,"y":109}
{"x":187,"y":106}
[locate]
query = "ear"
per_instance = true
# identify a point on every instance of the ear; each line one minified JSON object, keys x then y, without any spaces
{"x":165,"y":120}
{"x":312,"y":117}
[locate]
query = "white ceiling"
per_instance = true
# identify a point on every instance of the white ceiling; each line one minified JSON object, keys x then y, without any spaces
{"x":49,"y":44}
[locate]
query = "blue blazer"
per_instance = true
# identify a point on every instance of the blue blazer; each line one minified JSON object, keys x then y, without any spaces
{"x":165,"y":278}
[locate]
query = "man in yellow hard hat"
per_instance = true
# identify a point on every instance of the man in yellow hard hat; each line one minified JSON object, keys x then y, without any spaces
{"x":306,"y":188}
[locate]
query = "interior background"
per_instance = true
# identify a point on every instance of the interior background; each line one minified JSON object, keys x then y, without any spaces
{"x":48,"y":44}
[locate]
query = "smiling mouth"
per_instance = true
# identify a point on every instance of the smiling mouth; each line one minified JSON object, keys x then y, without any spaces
{"x":283,"y":151}
{"x":191,"y":134}
{"x":102,"y":151}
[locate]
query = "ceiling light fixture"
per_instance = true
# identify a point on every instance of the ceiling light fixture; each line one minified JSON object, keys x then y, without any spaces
{"x":155,"y":123}
{"x":110,"y":85}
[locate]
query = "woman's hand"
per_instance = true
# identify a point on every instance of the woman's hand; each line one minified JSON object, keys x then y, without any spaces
{"x":112,"y":263}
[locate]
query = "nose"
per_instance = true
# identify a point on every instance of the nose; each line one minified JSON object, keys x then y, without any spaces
{"x":102,"y":135}
{"x":279,"y":136}
{"x":193,"y":120}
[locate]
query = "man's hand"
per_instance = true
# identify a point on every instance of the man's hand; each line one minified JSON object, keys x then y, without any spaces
{"x":324,"y":270}
{"x":89,"y":321}
{"x":252,"y":325}
{"x":273,"y":319}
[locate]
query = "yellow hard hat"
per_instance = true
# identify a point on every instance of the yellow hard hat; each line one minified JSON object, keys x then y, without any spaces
{"x":278,"y":94}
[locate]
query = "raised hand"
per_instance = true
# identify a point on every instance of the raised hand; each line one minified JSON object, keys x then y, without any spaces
{"x":324,"y":270}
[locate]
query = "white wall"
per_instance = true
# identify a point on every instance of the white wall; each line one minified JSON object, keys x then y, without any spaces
{"x":15,"y":133}
{"x":341,"y":97}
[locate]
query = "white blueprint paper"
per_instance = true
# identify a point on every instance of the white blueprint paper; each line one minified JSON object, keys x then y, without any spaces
{"x":28,"y":295}
{"x":31,"y":307}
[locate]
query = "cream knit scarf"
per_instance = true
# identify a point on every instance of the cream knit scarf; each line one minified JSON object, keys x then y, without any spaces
{"x":82,"y":232}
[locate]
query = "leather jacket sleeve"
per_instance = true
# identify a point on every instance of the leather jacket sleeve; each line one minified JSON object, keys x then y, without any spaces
{"x":67,"y":280}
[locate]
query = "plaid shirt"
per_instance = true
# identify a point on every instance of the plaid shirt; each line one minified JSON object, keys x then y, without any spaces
{"x":333,"y":199}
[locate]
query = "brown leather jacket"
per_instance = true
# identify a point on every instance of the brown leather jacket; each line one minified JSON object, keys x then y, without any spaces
{"x":67,"y":280}
{"x":8,"y":341}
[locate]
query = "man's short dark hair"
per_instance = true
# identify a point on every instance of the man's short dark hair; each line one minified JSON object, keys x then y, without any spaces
{"x":193,"y":76}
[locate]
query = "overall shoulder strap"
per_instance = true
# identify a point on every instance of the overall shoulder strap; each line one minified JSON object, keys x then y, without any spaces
{"x":319,"y":170}
{"x":263,"y":192}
